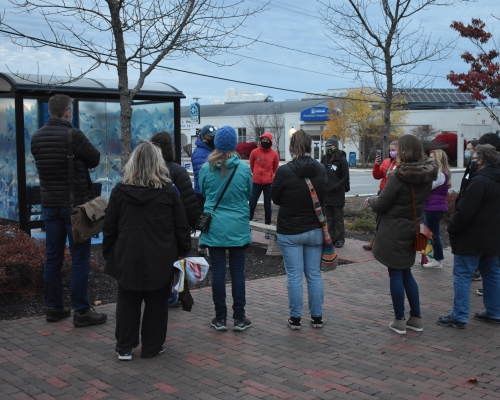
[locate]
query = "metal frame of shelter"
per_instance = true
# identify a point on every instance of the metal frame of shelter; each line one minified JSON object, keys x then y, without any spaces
{"x":12,"y":86}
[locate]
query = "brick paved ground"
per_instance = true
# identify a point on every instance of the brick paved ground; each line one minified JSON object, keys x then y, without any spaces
{"x":355,"y":354}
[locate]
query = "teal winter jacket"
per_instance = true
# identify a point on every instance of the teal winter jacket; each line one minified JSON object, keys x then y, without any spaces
{"x":230,"y":225}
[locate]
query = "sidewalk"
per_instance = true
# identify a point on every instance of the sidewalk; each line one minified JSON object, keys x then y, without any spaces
{"x":355,"y":355}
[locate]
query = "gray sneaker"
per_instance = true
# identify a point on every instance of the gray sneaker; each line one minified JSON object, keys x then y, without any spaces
{"x":398,"y":326}
{"x":219,"y":324}
{"x":415,"y":324}
{"x":91,"y":317}
{"x":241,"y":324}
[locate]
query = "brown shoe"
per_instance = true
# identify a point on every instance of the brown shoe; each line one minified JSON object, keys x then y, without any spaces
{"x":367,"y":247}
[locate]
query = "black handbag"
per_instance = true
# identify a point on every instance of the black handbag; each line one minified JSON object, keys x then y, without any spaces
{"x":203,"y":223}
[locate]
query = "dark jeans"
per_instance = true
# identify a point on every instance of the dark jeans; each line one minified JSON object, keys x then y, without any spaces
{"x":256,"y":191}
{"x":154,"y":320}
{"x":401,"y":282}
{"x":57,"y":229}
{"x":335,"y":220}
{"x":237,"y":271}
{"x":432,"y":220}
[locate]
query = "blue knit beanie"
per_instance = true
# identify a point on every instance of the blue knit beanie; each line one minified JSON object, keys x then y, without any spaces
{"x":226,"y":139}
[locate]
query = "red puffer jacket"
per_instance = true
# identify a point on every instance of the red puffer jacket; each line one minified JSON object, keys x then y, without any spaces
{"x":264,"y":163}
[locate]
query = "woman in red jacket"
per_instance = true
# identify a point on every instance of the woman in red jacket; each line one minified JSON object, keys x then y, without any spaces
{"x":264,"y":162}
{"x":383,"y":171}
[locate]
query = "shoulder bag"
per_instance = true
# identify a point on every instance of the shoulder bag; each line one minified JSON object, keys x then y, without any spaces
{"x":422,"y":232}
{"x":87,"y":220}
{"x":329,"y":259}
{"x":203,"y":223}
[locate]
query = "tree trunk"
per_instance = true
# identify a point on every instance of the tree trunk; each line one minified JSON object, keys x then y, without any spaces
{"x":125,"y":95}
{"x":387,"y":112}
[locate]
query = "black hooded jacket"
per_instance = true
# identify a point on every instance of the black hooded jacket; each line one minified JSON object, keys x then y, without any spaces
{"x":289,"y":190}
{"x":475,"y":226}
{"x":337,"y":171}
{"x":49,"y":146}
{"x":180,"y":178}
{"x":145,"y":231}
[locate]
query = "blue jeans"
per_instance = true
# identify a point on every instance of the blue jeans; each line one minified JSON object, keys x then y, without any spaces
{"x":432,"y":220}
{"x":463,"y":268}
{"x":257,"y":190}
{"x":403,"y":281}
{"x":237,"y":271}
{"x":58,"y":228}
{"x":302,"y":256}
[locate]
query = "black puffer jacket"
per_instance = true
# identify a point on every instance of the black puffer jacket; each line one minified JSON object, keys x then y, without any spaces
{"x":289,"y":190}
{"x":395,"y":234}
{"x":475,"y":226}
{"x":180,"y":178}
{"x":337,"y":171}
{"x":145,"y":231}
{"x":49,"y":146}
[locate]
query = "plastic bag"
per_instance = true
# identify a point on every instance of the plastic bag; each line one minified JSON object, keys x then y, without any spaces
{"x":196,"y":269}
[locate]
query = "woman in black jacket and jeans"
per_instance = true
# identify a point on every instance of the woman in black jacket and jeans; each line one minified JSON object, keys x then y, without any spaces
{"x":299,"y":231}
{"x":145,"y":232}
{"x":337,"y":171}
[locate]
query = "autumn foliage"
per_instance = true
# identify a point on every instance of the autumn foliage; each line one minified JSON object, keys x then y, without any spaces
{"x":21,"y":261}
{"x":483,"y":78}
{"x":244,"y":149}
{"x":449,"y":144}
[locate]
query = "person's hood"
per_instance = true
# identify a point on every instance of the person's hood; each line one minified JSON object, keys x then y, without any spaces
{"x":305,"y":167}
{"x":137,"y":194}
{"x":268,"y":135}
{"x":202,"y":144}
{"x":490,"y":171}
{"x":231,"y":162}
{"x":417,"y":172}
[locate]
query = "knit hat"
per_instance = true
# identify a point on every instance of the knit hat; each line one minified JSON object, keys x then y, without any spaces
{"x":333,"y":142}
{"x":208,"y":130}
{"x":226,"y":139}
{"x":490,"y":138}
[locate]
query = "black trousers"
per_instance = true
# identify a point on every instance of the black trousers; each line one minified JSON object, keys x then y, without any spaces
{"x":154,"y":320}
{"x":335,"y":221}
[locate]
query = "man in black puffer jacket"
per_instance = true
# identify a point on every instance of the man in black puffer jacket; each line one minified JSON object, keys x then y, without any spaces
{"x":474,"y":236}
{"x":49,"y":146}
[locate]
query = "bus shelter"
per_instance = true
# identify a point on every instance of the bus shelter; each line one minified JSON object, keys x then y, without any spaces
{"x":96,"y":111}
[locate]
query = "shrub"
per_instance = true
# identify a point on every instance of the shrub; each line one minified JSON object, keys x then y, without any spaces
{"x":244,"y":149}
{"x":449,"y":140}
{"x":450,"y":199}
{"x":21,"y":261}
{"x":364,"y":220}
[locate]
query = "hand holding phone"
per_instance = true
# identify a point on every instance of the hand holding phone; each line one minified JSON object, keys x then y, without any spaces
{"x":378,"y":157}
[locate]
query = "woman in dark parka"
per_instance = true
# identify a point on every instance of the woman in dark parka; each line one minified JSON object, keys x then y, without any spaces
{"x":337,"y":171}
{"x":395,"y":232}
{"x":145,"y":232}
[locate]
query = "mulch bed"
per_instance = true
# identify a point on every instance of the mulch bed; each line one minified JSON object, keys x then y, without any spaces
{"x":103,"y":288}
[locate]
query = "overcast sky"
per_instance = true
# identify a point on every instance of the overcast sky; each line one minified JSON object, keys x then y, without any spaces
{"x":295,"y":24}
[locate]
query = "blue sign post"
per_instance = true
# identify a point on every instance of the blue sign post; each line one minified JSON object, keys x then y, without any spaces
{"x":195,"y":113}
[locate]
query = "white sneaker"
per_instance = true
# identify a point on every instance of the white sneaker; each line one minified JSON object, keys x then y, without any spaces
{"x":433,"y":264}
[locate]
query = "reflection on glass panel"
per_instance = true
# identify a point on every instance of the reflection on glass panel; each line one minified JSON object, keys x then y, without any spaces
{"x":147,"y":119}
{"x":9,"y":204}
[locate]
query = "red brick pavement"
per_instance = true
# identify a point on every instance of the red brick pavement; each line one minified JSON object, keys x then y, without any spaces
{"x":355,"y":355}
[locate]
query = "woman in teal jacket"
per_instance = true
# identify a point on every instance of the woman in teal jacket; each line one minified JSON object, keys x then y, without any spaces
{"x":230,"y":225}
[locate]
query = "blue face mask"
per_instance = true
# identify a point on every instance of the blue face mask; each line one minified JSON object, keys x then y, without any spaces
{"x":467,"y":154}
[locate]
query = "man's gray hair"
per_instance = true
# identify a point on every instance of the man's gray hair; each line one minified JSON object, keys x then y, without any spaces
{"x":59,"y":104}
{"x":146,"y":167}
{"x":487,"y":153}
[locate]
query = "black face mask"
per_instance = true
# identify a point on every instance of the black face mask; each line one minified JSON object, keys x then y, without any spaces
{"x":210,"y":143}
{"x":473,"y":167}
{"x":266,"y":145}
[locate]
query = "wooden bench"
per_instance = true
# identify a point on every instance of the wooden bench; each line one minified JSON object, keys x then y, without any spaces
{"x":273,"y":248}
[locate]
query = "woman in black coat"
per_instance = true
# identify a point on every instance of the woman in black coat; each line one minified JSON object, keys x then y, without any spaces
{"x":337,"y":171}
{"x":145,"y":232}
{"x":179,"y":176}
